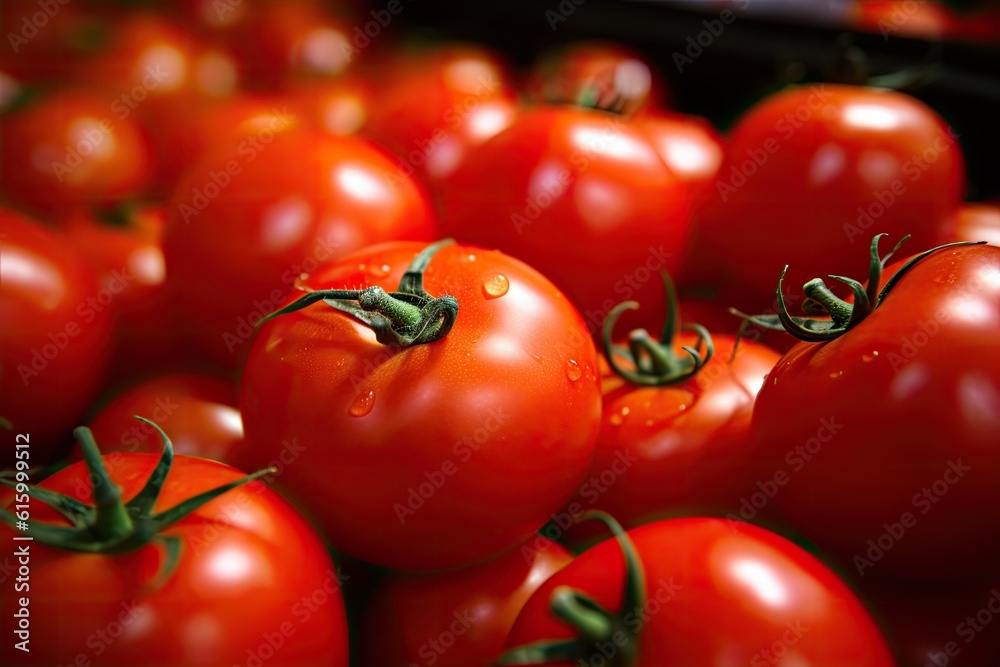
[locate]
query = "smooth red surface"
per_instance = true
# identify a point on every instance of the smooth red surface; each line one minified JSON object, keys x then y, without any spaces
{"x":457,"y":618}
{"x":585,"y":198}
{"x":905,"y":403}
{"x":508,"y":402}
{"x":719,"y":592}
{"x":198,"y":412}
{"x":250,"y":568}
{"x":58,"y":335}
{"x":287,"y":199}
{"x":979,"y":221}
{"x":800,"y":165}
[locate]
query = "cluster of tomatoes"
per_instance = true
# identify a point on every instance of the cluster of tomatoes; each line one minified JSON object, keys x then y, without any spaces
{"x":384,"y":314}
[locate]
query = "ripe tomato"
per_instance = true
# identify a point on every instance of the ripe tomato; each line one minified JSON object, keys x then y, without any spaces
{"x":812,"y":172}
{"x":127,"y":251}
{"x":597,"y":74}
{"x":200,"y":411}
{"x":465,"y":98}
{"x":979,"y":221}
{"x":273,"y":201}
{"x":69,"y":150}
{"x":405,"y":455}
{"x":339,"y":107}
{"x":699,"y":592}
{"x":58,"y":332}
{"x":40,"y":37}
{"x":675,"y":433}
{"x":887,"y":433}
{"x":457,"y":618}
{"x":240,"y":577}
{"x":159,"y":71}
{"x":585,"y":198}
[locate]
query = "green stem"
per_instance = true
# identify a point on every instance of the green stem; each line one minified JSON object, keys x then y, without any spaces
{"x":111,"y":522}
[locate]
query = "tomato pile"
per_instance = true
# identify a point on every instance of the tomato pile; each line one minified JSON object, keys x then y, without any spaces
{"x":322,"y":347}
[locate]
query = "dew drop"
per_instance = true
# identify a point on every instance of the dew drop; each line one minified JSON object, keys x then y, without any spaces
{"x":615,"y":419}
{"x":381,"y":271}
{"x":836,"y":374}
{"x":496,"y":286}
{"x":471,"y":258}
{"x":625,"y":410}
{"x":869,"y":357}
{"x":537,"y":357}
{"x":363,"y":404}
{"x":573,"y":370}
{"x":649,"y":422}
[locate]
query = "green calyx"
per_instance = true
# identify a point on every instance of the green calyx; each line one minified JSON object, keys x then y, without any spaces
{"x":596,"y":628}
{"x":111,"y":525}
{"x":837,"y":316}
{"x":409,"y":316}
{"x":654,"y":363}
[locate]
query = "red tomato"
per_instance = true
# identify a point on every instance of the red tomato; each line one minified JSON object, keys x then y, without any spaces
{"x":286,"y":41}
{"x":339,"y":107}
{"x":979,"y":222}
{"x":465,"y":98}
{"x":457,"y":618}
{"x":812,"y":171}
{"x":897,"y":18}
{"x":200,"y":412}
{"x":585,"y":198}
{"x":405,"y":456}
{"x":250,"y":579}
{"x":40,"y":36}
{"x":274,"y":201}
{"x":887,"y":433}
{"x":675,"y":440}
{"x":128,"y":255}
{"x":709,"y":594}
{"x":69,"y":150}
{"x":160,"y":72}
{"x":58,"y":331}
{"x":598,"y":73}
{"x":939,"y":626}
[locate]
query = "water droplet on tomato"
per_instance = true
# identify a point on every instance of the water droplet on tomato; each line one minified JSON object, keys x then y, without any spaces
{"x":381,"y":271}
{"x":573,"y":370}
{"x":615,"y":419}
{"x":496,"y":286}
{"x":836,"y":374}
{"x":363,"y":404}
{"x":471,"y":258}
{"x":869,"y":357}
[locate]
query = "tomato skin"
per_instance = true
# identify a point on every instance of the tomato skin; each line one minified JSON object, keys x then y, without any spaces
{"x":681,"y":449}
{"x":57,"y":335}
{"x":465,"y":97}
{"x":293,"y":198}
{"x":576,"y":182}
{"x":715,"y":593}
{"x":249,"y":563}
{"x":68,"y":150}
{"x":409,"y":611}
{"x":901,"y":428}
{"x":510,"y":393}
{"x":129,"y":260}
{"x":821,"y":184}
{"x":199,"y":412}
